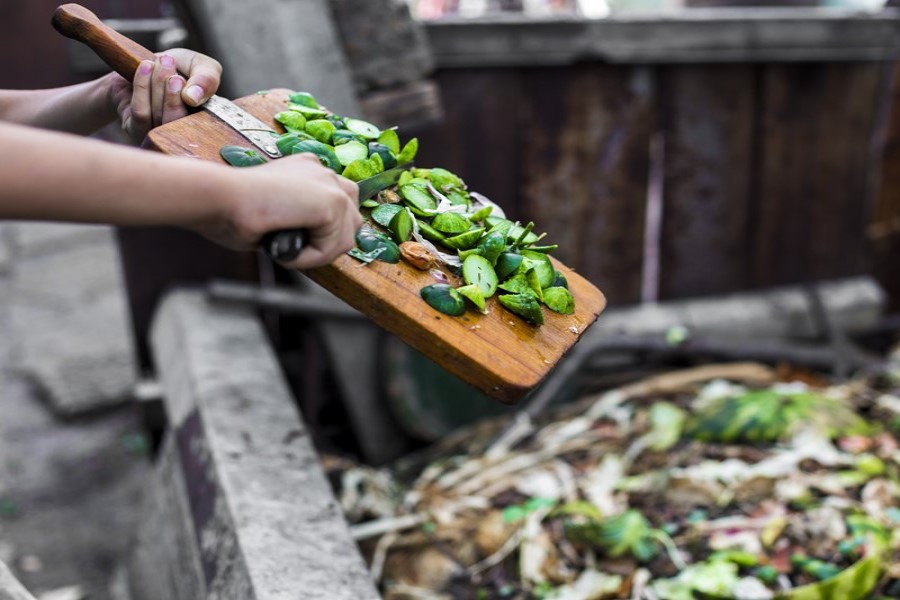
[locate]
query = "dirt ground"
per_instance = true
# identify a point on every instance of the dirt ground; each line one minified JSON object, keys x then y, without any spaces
{"x":69,"y":492}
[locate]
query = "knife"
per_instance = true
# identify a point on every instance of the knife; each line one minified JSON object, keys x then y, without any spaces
{"x":286,"y":245}
{"x":124,"y":55}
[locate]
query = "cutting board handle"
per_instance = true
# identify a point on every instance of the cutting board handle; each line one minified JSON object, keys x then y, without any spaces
{"x":120,"y":53}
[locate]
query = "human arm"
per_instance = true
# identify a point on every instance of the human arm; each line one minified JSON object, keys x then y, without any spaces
{"x":52,"y":176}
{"x":158,"y":95}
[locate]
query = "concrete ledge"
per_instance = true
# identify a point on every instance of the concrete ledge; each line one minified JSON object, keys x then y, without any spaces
{"x":239,"y":496}
{"x":687,"y":36}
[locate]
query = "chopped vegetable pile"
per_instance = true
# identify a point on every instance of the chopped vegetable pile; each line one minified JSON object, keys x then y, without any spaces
{"x":428,"y":219}
{"x":717,"y":482}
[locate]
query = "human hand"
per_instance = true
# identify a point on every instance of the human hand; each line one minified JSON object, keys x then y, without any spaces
{"x":159,"y":94}
{"x":294,"y":192}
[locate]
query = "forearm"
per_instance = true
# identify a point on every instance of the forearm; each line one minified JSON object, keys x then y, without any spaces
{"x":50,"y":176}
{"x":83,"y":108}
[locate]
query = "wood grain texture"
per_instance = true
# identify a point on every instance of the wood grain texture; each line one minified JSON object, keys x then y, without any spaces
{"x":497,"y":353}
{"x":708,"y":122}
{"x":565,"y":147}
{"x":816,"y":127}
{"x":584,"y":156}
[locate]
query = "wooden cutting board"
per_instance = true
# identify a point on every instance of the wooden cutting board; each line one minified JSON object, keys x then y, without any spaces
{"x":498,"y":353}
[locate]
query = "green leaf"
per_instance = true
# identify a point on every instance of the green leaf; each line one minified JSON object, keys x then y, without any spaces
{"x":517,"y":284}
{"x":666,"y":423}
{"x":388,"y":159}
{"x":518,"y":512}
{"x":524,"y":305}
{"x":408,"y":154}
{"x":361,"y":169}
{"x":401,"y":226}
{"x":238,"y":156}
{"x":308,"y":112}
{"x":450,"y":223}
{"x":351,"y":151}
{"x":342,"y":136}
{"x":368,"y":240}
{"x":417,"y":196}
{"x":365,"y":257}
{"x":481,"y":214}
{"x":303,"y":99}
{"x":770,"y":415}
{"x":363,"y":128}
{"x":580,"y":508}
{"x":819,"y":569}
{"x":443,"y":298}
{"x":492,"y":246}
{"x":626,"y":534}
{"x":474,"y":294}
{"x":389,"y":138}
{"x":383,"y":213}
{"x":717,"y":578}
{"x":559,"y":299}
{"x":853,"y":583}
{"x":321,"y":129}
{"x":287,"y":141}
{"x":323,"y":152}
{"x":444,"y":180}
{"x":292,"y":120}
{"x":478,"y":271}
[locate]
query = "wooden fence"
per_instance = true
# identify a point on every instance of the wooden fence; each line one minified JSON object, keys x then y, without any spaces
{"x":671,"y":175}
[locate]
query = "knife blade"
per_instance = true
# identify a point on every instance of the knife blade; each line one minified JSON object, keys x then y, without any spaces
{"x":124,"y":55}
{"x":286,"y":245}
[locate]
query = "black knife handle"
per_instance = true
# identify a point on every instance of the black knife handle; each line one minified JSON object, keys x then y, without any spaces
{"x":285,"y":245}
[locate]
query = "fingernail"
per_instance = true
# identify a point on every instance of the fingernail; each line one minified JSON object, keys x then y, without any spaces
{"x":167,"y":61}
{"x":174,"y":83}
{"x":146,"y":67}
{"x":195,"y":93}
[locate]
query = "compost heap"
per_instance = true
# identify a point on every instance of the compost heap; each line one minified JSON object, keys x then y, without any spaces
{"x":717,"y":482}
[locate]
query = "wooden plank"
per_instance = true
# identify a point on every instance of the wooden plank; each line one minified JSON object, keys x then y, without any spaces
{"x":688,"y":37}
{"x":497,"y":353}
{"x":708,"y":114}
{"x":479,"y":136}
{"x":884,"y":232}
{"x":585,"y":134}
{"x":813,"y":201}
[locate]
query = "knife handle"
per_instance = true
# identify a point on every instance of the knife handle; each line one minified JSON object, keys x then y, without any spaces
{"x":285,"y":245}
{"x":120,"y":53}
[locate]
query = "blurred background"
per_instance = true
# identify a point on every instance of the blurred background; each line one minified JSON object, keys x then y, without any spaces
{"x":723,"y":170}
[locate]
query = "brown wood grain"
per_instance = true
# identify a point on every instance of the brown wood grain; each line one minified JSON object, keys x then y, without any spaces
{"x":708,"y":123}
{"x":813,"y":204}
{"x":584,"y":149}
{"x":497,"y":353}
{"x":565,"y":147}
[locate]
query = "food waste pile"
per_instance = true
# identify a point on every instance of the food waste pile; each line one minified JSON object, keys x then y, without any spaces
{"x":729,"y":482}
{"x":429,"y":218}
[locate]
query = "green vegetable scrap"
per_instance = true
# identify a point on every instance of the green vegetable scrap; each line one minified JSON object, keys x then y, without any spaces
{"x":444,"y":298}
{"x":770,"y":415}
{"x":238,"y":156}
{"x":368,"y":240}
{"x":430,"y":205}
{"x":626,"y":534}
